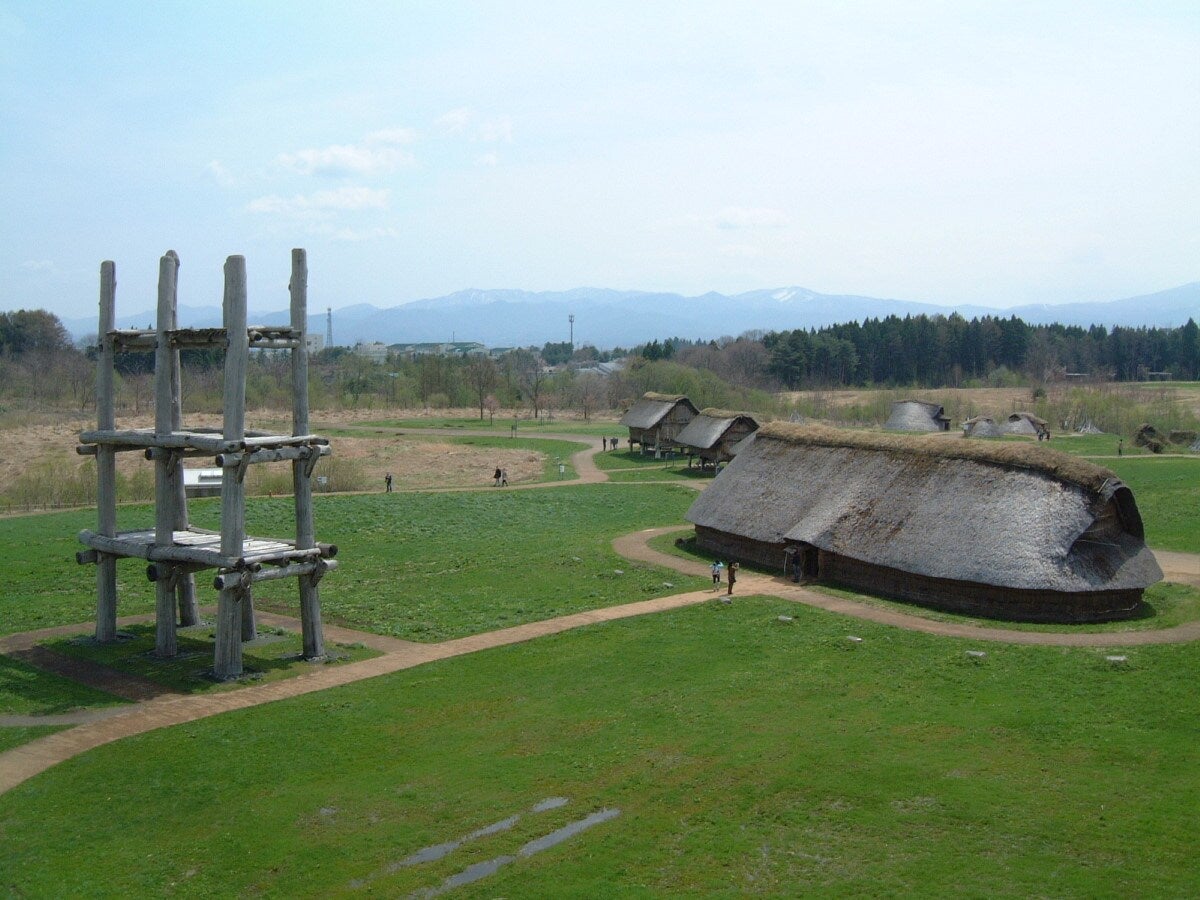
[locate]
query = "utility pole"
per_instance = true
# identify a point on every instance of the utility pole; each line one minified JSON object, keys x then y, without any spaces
{"x":571,"y":319}
{"x":328,"y":327}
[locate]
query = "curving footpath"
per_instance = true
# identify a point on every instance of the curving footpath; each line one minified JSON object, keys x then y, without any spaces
{"x":156,"y":708}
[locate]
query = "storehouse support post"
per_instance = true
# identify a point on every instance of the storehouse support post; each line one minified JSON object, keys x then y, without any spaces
{"x":106,"y":458}
{"x":310,"y":599}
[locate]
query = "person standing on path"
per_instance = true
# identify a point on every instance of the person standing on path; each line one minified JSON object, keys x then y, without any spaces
{"x":387,"y":483}
{"x":504,"y":478}
{"x":497,"y":477}
{"x":717,"y":566}
{"x":733,"y":567}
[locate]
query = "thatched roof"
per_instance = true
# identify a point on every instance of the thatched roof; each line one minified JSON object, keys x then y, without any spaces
{"x":707,"y":429}
{"x":1012,"y":515}
{"x":651,"y":409}
{"x":982,"y":426}
{"x":916,"y":415}
{"x":1025,"y":423}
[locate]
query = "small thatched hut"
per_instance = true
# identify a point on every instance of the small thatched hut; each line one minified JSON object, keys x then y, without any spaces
{"x":655,"y":421}
{"x":1012,"y":531}
{"x":917,"y":415}
{"x":715,"y":433}
{"x":982,"y":426}
{"x":1026,"y":423}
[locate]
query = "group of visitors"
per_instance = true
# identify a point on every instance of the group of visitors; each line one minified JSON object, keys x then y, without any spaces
{"x":731,"y":573}
{"x":501,"y":477}
{"x":607,"y":443}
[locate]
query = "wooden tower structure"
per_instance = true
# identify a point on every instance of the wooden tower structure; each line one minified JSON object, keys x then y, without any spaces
{"x":175,"y":549}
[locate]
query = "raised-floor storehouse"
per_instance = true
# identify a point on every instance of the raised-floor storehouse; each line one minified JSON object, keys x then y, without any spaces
{"x":656,"y":420}
{"x":713,"y":436}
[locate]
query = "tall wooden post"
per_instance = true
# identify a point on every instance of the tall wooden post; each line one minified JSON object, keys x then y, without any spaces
{"x":106,"y":459}
{"x":227,"y":654}
{"x":185,"y":590}
{"x":310,"y":599}
{"x":165,"y":643}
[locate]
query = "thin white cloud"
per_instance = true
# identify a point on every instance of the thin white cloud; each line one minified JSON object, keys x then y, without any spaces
{"x":37,"y":265}
{"x":455,"y":121}
{"x":363,"y":234}
{"x":495,"y":131}
{"x":220,"y":174}
{"x":490,"y":160}
{"x":346,"y":198}
{"x":736,"y":218}
{"x":392,"y":136}
{"x":740,"y":251}
{"x":378,"y":154}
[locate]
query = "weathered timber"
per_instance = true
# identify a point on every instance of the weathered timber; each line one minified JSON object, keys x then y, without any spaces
{"x":106,"y":461}
{"x":310,"y":600}
{"x":312,"y":570}
{"x":175,"y":550}
{"x":165,"y":642}
{"x":232,"y":620}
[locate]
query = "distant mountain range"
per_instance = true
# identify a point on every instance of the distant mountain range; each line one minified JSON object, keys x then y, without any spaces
{"x":607,"y":318}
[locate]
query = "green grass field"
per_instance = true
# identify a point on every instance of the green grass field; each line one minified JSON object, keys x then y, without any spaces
{"x":635,"y":466}
{"x":26,"y":691}
{"x":273,"y":656}
{"x":742,"y":755}
{"x":418,"y":566}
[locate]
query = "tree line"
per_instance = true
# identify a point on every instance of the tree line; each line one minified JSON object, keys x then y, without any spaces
{"x":950,"y":351}
{"x":38,"y":363}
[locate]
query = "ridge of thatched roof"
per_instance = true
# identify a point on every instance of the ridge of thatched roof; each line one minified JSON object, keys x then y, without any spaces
{"x":1053,"y":463}
{"x":710,"y":426}
{"x":1022,"y":414}
{"x":714,"y":413}
{"x":651,"y":408}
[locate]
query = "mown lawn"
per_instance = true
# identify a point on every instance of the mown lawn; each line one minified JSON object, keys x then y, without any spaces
{"x":629,"y":465}
{"x":275,"y":655}
{"x":418,"y":566}
{"x":26,"y":691}
{"x":733,"y":752}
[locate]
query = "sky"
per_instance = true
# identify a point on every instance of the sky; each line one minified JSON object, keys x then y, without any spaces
{"x":994,"y":153}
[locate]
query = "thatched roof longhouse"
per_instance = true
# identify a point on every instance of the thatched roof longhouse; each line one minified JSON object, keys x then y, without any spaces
{"x":954,"y":513}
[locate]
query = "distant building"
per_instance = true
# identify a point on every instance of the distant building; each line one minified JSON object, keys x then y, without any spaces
{"x":449,"y":348}
{"x":315,"y":343}
{"x":374,"y":351}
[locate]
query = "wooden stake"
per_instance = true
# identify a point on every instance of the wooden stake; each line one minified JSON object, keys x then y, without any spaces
{"x":310,"y":597}
{"x":106,"y":460}
{"x":227,"y":654}
{"x":165,"y":643}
